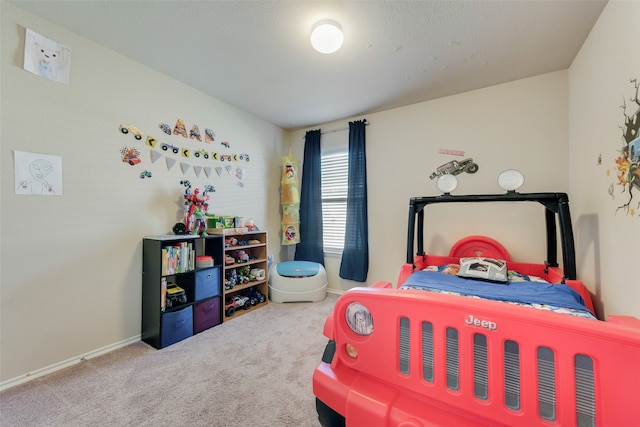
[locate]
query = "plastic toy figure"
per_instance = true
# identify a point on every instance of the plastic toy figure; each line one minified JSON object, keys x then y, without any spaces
{"x":251,"y":225}
{"x":200,"y":219}
{"x":195,"y":208}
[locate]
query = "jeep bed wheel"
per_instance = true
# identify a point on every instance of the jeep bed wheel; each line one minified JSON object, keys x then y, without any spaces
{"x":230,"y":311}
{"x":327,"y":416}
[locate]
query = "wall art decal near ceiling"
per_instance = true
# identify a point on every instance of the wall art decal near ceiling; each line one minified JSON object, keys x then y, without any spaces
{"x":46,"y":58}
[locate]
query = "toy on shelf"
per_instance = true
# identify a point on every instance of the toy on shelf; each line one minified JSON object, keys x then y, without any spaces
{"x":240,"y":256}
{"x":251,"y":226}
{"x":258,"y":273}
{"x":236,"y":301}
{"x":255,"y":296}
{"x":231,"y":279}
{"x":244,"y":275}
{"x":195,"y":208}
{"x":175,"y":295}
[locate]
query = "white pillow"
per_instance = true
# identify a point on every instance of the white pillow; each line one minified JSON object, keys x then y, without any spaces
{"x":483,"y":268}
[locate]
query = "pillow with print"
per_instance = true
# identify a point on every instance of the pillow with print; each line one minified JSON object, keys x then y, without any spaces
{"x":491,"y":269}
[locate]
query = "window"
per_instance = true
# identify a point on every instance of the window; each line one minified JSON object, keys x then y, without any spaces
{"x":335,"y":167}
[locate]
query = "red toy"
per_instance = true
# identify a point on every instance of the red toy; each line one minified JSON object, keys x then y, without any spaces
{"x":237,"y":301}
{"x":195,"y":208}
{"x":421,"y":359}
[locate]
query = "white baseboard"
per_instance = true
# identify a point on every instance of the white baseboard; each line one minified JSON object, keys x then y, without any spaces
{"x":66,"y":363}
{"x":335,"y":291}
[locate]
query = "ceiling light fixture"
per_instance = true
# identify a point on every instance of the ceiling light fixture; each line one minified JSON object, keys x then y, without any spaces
{"x":326,"y":36}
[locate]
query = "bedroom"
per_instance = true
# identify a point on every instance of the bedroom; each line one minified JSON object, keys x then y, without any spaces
{"x":86,"y":244}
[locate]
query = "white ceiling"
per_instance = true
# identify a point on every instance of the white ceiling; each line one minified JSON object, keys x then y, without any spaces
{"x":256,"y":55}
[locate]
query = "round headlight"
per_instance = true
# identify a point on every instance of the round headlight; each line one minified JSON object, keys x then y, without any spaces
{"x":510,"y":180}
{"x":447,"y":183}
{"x":359,"y":319}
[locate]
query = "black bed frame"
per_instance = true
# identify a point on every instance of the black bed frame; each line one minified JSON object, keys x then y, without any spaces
{"x":556,"y":204}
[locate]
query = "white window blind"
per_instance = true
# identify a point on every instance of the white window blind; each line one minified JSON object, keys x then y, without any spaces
{"x":335,"y":167}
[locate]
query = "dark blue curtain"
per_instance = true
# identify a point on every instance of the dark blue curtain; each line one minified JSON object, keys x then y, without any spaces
{"x":310,"y":246}
{"x":355,"y":256}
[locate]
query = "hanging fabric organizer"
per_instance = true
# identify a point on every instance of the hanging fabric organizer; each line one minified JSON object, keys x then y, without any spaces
{"x":290,"y":201}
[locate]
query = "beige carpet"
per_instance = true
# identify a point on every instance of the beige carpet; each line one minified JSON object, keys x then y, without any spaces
{"x":254,"y":370}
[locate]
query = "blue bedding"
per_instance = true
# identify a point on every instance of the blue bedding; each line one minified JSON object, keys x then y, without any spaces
{"x":527,"y":293}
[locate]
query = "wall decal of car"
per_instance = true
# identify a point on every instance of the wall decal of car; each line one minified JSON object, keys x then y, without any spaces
{"x":165,"y":128}
{"x":226,"y":157}
{"x":167,"y":147}
{"x":455,"y":167}
{"x":134,"y":130}
{"x":202,"y":153}
{"x":130,"y":155}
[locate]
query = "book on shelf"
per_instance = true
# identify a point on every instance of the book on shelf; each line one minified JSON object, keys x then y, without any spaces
{"x":163,"y":293}
{"x":178,"y":258}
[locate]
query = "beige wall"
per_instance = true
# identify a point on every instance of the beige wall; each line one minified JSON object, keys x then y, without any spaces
{"x":522,"y":124}
{"x":599,"y":83}
{"x":71,"y":265}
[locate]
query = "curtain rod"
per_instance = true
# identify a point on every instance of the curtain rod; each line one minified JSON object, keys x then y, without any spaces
{"x":366,"y":123}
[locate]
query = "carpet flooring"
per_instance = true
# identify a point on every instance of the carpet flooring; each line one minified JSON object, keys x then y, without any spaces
{"x":254,"y":370}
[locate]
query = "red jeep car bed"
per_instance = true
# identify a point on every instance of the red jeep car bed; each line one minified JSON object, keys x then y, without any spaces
{"x":474,"y":338}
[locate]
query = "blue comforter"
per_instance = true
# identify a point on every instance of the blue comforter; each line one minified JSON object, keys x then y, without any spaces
{"x":518,"y":292}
